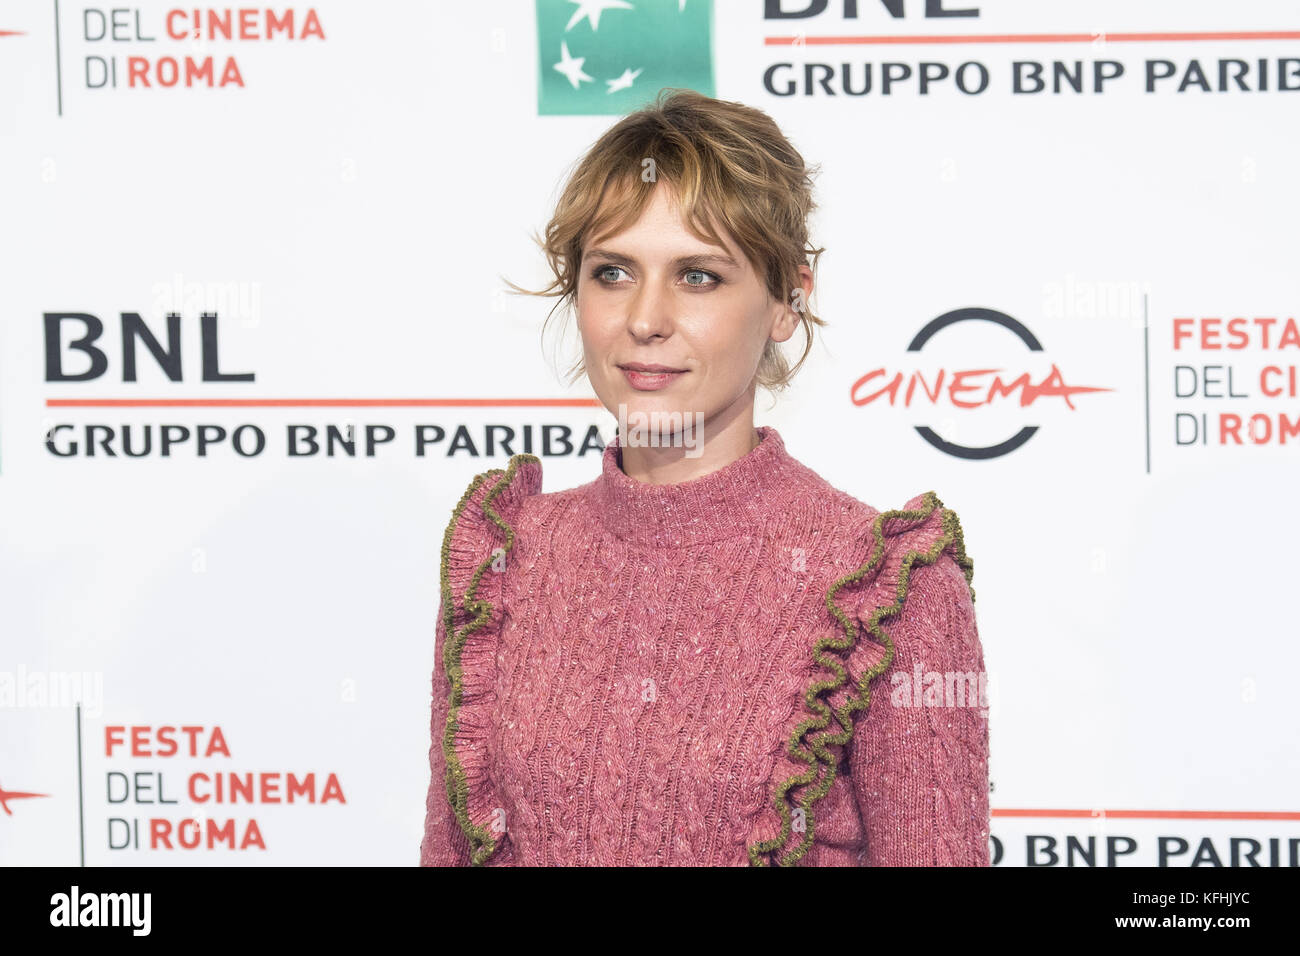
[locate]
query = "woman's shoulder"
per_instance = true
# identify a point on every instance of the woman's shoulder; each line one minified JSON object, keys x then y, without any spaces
{"x":923,"y":532}
{"x":881,"y":542}
{"x":921,"y":541}
{"x":482,"y":528}
{"x":496,"y":491}
{"x":897,"y":562}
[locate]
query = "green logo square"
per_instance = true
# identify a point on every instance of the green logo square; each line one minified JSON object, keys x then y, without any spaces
{"x":614,"y":56}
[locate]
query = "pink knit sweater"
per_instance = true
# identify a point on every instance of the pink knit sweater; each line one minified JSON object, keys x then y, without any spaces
{"x":750,"y":667}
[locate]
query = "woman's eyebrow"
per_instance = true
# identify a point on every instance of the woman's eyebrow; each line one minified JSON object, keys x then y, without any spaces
{"x":699,"y":258}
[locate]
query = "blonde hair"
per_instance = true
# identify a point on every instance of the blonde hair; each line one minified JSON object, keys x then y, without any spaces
{"x":726,"y":160}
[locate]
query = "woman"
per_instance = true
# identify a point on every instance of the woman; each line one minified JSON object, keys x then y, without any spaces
{"x":673,"y":664}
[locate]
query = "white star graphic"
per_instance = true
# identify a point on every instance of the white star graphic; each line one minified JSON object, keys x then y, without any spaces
{"x":623,"y":82}
{"x":571,"y":67}
{"x":592,"y":9}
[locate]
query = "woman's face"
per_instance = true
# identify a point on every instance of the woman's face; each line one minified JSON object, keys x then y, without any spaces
{"x":656,"y":295}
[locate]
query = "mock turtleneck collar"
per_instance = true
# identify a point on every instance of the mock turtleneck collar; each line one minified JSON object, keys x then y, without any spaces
{"x":735,"y":499}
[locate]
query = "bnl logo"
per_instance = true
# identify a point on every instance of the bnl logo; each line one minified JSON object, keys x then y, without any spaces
{"x":611,"y":57}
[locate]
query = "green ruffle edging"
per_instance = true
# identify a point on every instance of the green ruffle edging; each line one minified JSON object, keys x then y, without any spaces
{"x":481,"y":843}
{"x":952,"y":535}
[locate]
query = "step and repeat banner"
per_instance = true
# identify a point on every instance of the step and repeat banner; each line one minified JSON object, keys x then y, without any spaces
{"x":256,"y":339}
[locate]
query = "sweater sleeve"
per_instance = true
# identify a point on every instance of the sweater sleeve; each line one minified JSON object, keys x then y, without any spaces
{"x":919,"y":760}
{"x":444,"y":843}
{"x":464,"y":819}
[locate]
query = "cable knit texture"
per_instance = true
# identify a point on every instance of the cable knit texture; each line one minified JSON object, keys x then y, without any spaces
{"x":747,"y":668}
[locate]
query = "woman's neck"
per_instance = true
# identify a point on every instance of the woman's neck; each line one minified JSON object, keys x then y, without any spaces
{"x":730,"y":500}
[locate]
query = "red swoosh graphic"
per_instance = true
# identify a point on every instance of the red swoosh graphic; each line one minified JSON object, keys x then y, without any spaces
{"x":6,"y":795}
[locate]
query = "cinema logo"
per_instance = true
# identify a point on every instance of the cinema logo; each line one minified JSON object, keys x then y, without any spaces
{"x":187,"y":48}
{"x":968,"y":388}
{"x":1246,"y":363}
{"x":206,"y":810}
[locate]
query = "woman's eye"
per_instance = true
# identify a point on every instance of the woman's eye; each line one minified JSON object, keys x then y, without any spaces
{"x":705,"y":280}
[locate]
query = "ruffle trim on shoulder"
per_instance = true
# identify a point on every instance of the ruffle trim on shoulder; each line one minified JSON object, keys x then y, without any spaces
{"x":474,"y":549}
{"x":918,"y":533}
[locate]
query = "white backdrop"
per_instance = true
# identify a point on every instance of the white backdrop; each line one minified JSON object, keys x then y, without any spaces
{"x":345,"y":210}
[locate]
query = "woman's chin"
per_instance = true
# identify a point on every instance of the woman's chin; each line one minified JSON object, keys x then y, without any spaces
{"x":638,"y":406}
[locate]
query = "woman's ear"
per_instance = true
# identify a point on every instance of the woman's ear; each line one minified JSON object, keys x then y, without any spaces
{"x":785,"y":323}
{"x":793,"y":308}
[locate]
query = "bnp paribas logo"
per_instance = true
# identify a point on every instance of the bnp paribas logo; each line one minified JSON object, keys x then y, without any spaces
{"x":613,"y":56}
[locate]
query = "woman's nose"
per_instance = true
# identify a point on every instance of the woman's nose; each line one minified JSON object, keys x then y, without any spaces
{"x":650,"y":313}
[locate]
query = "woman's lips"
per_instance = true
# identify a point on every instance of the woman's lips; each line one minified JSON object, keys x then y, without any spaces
{"x":650,"y":381}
